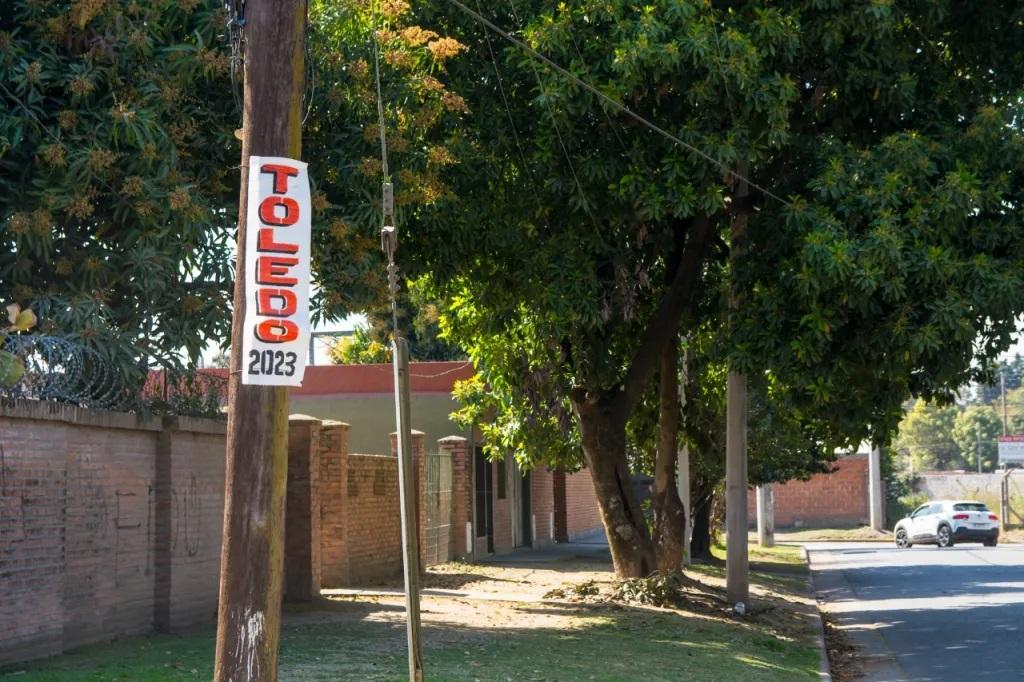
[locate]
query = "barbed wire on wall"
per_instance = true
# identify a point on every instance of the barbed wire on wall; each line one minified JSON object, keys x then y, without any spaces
{"x":61,"y":370}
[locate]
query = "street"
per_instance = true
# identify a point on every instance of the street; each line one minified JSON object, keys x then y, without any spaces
{"x":926,"y":613}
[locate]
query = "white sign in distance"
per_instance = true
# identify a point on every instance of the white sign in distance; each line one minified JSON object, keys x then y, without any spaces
{"x":1011,"y":449}
{"x":277,"y":272}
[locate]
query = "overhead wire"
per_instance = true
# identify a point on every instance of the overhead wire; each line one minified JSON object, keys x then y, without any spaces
{"x":554,"y":123}
{"x":617,"y":105}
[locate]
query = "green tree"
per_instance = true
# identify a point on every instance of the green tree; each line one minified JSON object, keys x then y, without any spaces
{"x":418,"y":322}
{"x":926,"y":432}
{"x":116,"y":163}
{"x":889,"y":269}
{"x":976,"y":431}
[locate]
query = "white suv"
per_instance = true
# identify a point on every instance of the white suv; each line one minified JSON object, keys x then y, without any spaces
{"x":945,"y":523}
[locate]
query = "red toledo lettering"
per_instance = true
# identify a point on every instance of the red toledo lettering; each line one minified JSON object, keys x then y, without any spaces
{"x":268,"y":211}
{"x":265,"y":242}
{"x":277,"y":331}
{"x":272,"y":270}
{"x":281,"y":175}
{"x":276,"y":302}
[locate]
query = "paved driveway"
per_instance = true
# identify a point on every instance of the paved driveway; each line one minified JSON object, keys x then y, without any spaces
{"x":927,"y":613}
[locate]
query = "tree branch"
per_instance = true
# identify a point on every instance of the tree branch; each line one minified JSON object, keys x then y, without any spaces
{"x":681,"y":294}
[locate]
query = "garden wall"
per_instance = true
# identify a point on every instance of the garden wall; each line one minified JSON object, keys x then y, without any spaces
{"x":839,"y":498}
{"x":982,"y":487}
{"x":109,"y":525}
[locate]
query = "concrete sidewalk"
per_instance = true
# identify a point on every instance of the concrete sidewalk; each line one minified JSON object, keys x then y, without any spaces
{"x":590,"y":548}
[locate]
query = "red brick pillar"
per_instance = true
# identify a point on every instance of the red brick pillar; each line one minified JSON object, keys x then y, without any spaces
{"x":334,"y":557}
{"x":462,"y":495}
{"x":419,"y":460}
{"x":302,"y":510}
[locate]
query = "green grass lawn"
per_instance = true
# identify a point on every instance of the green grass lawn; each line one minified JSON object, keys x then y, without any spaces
{"x":607,"y":643}
{"x":349,"y":639}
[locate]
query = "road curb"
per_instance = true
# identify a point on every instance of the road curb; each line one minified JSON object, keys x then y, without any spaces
{"x":824,"y":667}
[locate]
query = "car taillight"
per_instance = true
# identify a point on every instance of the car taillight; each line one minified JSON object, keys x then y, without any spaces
{"x":961,"y":517}
{"x":993,"y":517}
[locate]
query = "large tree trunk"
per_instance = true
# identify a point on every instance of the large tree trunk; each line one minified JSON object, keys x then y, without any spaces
{"x":603,"y":431}
{"x":700,"y":542}
{"x":669,"y":515}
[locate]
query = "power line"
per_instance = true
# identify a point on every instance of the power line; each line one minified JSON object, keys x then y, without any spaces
{"x":615,"y":103}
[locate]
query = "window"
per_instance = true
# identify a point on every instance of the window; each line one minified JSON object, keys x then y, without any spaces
{"x":920,"y":511}
{"x":970,"y":506}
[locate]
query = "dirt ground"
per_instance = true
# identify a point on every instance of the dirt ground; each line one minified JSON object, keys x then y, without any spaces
{"x":551,"y":621}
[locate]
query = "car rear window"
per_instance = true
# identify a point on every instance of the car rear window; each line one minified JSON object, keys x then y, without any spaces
{"x":969,"y":506}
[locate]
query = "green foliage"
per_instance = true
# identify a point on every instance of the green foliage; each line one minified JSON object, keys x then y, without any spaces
{"x":12,"y":368}
{"x":342,"y":139}
{"x":418,"y":322}
{"x":892,"y":269}
{"x":926,"y":432}
{"x":976,"y":431}
{"x":116,"y":158}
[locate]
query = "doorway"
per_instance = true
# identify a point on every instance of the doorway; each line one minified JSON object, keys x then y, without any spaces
{"x":523,"y":510}
{"x":484,"y":494}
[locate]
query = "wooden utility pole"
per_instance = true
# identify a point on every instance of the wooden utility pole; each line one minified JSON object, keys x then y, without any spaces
{"x":252,"y":555}
{"x":737,"y":578}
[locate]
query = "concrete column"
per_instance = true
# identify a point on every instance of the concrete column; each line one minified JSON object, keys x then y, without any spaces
{"x":875,"y":488}
{"x":737,"y":577}
{"x":765,"y":516}
{"x":683,"y":488}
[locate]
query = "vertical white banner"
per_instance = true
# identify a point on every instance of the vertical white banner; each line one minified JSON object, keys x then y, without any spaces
{"x":277,"y":273}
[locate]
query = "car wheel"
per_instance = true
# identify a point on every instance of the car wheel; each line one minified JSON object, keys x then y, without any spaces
{"x":992,"y":543}
{"x":944,"y":537}
{"x":903,"y":539}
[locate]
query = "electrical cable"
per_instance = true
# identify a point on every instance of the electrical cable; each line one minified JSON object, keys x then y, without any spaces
{"x":558,"y":132}
{"x":619,"y":106}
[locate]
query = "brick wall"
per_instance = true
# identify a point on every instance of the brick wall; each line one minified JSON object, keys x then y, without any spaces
{"x":583,"y":516}
{"x":374,"y":542}
{"x":837,"y":498}
{"x":109,"y":525}
{"x":543,"y":503}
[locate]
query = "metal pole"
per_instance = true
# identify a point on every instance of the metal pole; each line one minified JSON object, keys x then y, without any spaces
{"x":407,"y":494}
{"x":252,"y":552}
{"x":977,"y":435}
{"x":1002,"y":392}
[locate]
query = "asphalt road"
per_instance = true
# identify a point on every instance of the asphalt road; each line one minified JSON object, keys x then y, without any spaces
{"x":926,"y":613}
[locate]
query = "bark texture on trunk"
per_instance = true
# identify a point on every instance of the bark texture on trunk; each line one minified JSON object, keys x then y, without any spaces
{"x":603,"y":432}
{"x":700,"y":542}
{"x":669,"y":515}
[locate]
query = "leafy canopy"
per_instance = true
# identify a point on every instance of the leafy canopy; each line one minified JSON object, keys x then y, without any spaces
{"x":117,"y":165}
{"x":888,"y":127}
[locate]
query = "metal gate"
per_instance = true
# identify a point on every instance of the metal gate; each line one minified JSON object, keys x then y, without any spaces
{"x":437,"y":502}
